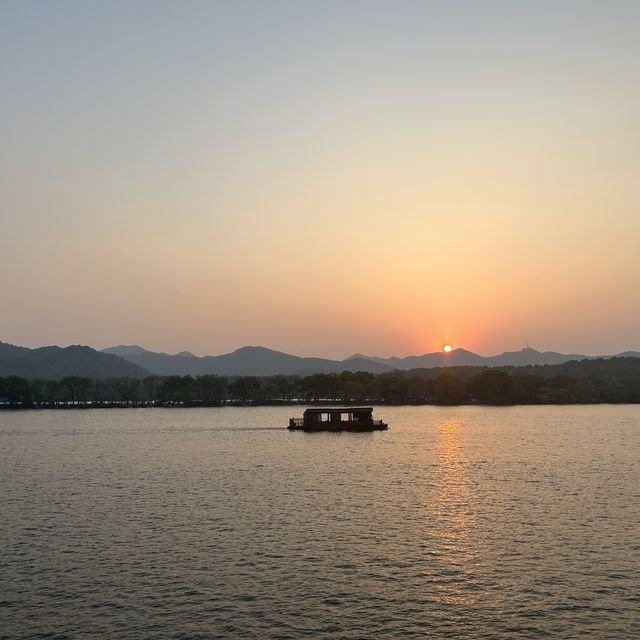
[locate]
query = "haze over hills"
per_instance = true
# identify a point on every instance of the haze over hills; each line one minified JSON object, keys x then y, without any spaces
{"x":260,"y":361}
{"x":462,"y":357}
{"x":248,"y":361}
{"x":136,"y":362}
{"x":57,"y":362}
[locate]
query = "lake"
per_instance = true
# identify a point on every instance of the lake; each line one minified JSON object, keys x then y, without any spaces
{"x":463,"y":522}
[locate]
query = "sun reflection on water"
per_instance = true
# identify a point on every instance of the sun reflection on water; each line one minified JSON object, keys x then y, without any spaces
{"x":453,"y":516}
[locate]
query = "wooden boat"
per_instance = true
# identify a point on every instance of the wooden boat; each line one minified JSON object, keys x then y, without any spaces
{"x":338,"y":419}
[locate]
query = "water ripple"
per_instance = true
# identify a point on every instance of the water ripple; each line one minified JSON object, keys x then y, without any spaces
{"x":456,"y":523}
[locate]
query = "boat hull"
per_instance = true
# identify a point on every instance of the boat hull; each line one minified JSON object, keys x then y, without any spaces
{"x":359,"y":428}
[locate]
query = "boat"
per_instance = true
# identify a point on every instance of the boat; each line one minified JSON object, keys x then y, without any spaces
{"x":338,"y":419}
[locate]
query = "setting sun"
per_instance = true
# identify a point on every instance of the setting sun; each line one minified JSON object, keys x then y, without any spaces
{"x":447,"y":348}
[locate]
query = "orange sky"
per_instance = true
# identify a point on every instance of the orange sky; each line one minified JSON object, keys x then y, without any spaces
{"x":321,"y":179}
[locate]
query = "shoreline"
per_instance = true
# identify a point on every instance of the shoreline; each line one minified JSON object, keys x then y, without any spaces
{"x":327,"y":403}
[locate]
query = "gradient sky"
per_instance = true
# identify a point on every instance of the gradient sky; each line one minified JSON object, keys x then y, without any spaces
{"x":321,"y":177}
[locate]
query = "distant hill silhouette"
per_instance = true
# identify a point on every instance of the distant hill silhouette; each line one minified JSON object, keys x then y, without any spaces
{"x":246,"y":361}
{"x":12,"y":351}
{"x":628,"y":354}
{"x":125,"y":350}
{"x":462,"y":357}
{"x":260,"y":361}
{"x":57,"y":362}
{"x":136,"y":362}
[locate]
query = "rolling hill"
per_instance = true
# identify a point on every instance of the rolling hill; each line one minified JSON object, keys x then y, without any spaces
{"x":57,"y":362}
{"x":260,"y":361}
{"x":246,"y":361}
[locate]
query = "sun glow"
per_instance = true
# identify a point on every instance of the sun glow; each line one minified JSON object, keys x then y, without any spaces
{"x":447,"y":348}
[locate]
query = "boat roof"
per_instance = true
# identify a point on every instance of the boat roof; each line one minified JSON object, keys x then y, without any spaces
{"x":340,"y":410}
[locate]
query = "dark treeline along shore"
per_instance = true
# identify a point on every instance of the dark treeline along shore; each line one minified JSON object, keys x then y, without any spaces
{"x":615,"y":380}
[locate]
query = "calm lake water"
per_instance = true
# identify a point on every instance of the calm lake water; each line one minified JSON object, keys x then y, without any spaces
{"x":462,"y":522}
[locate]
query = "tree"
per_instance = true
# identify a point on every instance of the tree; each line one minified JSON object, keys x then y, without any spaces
{"x":211,"y":388}
{"x":53,"y":388}
{"x":15,"y":390}
{"x":280,"y":388}
{"x":353,"y":391}
{"x":554,"y":395}
{"x":419,"y":389}
{"x":76,"y":388}
{"x":585,"y":392}
{"x":449,"y":390}
{"x":316,"y":386}
{"x":125,"y":389}
{"x":151,"y":385}
{"x":177,"y":389}
{"x":393,"y":387}
{"x":39,"y":391}
{"x":245,"y":388}
{"x":493,"y":387}
{"x":101,"y":390}
{"x":616,"y":392}
{"x":527,"y":387}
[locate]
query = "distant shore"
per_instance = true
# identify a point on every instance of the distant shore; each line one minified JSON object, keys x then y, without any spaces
{"x":612,"y":381}
{"x":82,"y":406}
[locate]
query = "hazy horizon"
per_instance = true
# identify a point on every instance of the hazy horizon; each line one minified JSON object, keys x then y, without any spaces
{"x":323,"y":355}
{"x":321,"y":179}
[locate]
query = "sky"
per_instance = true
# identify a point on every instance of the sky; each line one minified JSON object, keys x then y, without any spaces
{"x":321,"y":178}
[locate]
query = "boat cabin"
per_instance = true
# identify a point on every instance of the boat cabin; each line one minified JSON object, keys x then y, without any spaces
{"x":337,"y":419}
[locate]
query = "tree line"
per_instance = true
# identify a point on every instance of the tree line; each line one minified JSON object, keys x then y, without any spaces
{"x":460,"y":385}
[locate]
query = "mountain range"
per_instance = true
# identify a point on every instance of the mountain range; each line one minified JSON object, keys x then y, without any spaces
{"x":57,"y":362}
{"x":260,"y":361}
{"x":136,"y":362}
{"x":254,"y":361}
